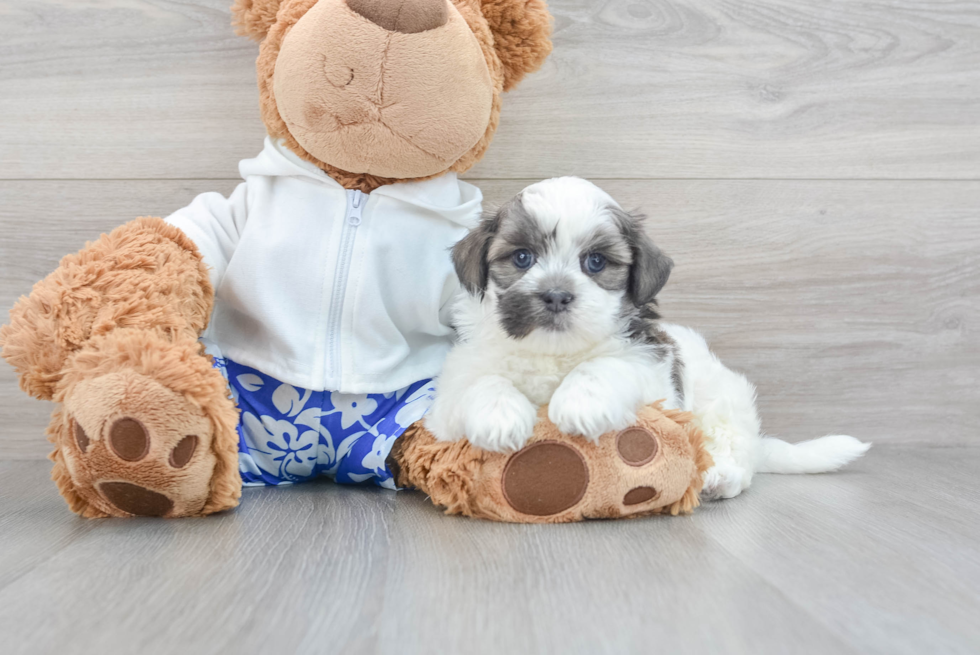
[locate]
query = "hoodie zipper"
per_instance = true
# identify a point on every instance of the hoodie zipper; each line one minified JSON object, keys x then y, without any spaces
{"x":352,"y":219}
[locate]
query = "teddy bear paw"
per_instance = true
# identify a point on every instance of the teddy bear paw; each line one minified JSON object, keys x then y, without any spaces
{"x":133,"y":447}
{"x":652,"y":466}
{"x":619,"y":476}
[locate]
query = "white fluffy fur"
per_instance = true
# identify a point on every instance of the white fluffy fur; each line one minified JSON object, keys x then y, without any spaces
{"x":594,"y":376}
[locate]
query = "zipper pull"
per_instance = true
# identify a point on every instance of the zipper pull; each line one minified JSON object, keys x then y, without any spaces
{"x":356,"y":206}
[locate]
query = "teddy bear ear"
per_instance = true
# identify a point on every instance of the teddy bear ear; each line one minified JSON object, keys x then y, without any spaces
{"x":254,"y":18}
{"x":521,"y":33}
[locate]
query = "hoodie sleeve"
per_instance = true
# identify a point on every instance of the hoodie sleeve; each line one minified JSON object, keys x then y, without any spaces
{"x":214,"y":223}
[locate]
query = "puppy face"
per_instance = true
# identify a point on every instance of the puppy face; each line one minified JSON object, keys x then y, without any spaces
{"x":561,"y":265}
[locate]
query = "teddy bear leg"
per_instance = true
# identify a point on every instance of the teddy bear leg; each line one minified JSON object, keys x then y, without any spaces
{"x":144,"y":427}
{"x":654,"y":466}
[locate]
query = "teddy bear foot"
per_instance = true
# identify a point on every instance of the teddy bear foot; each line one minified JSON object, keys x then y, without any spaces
{"x":135,"y":448}
{"x":654,"y":466}
{"x":127,"y":444}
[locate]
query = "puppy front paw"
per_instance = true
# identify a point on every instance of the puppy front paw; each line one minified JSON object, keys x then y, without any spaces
{"x":583,"y":405}
{"x":723,"y":480}
{"x":498,"y":417}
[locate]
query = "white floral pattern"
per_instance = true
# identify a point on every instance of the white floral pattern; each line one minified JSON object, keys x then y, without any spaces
{"x":287,"y":434}
{"x":352,"y":407}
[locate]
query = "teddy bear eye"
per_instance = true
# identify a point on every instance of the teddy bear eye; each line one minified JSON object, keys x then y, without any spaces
{"x":595,"y":262}
{"x":523,"y":258}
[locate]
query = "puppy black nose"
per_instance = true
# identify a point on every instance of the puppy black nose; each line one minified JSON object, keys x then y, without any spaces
{"x":556,"y":300}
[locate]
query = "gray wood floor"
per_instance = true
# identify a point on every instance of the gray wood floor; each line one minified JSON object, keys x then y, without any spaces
{"x":814,"y":170}
{"x":881,"y":558}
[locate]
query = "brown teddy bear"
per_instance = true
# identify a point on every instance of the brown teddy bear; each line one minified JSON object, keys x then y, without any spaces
{"x":292,"y":329}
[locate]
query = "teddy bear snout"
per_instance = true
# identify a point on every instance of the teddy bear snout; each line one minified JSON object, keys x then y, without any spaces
{"x":405,"y":16}
{"x":364,"y":87}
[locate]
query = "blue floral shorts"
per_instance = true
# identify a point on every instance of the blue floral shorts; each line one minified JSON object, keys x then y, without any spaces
{"x":287,"y":434}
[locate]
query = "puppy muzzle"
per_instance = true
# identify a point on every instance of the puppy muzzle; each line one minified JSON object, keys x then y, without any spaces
{"x":557,"y":300}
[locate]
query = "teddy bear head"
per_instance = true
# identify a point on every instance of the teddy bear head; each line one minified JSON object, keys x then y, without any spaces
{"x":379,"y":91}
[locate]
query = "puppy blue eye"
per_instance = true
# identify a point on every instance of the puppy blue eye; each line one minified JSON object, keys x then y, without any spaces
{"x":595,"y":262}
{"x":523,"y":258}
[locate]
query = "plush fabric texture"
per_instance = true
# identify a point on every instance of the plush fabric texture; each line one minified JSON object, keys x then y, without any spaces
{"x":144,"y":274}
{"x":405,"y":16}
{"x":171,"y":392}
{"x":110,"y":335}
{"x":413,"y":69}
{"x":521,"y":36}
{"x":560,"y":479}
{"x":253,"y":18}
{"x":382,"y":102}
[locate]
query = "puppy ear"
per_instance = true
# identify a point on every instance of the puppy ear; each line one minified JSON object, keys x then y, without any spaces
{"x":254,"y":18}
{"x":651,"y":267}
{"x":521,"y":35}
{"x":470,"y":254}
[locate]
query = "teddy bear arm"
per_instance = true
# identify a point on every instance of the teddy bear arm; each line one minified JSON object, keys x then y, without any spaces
{"x":145,"y":274}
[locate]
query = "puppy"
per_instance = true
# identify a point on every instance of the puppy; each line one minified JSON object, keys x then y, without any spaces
{"x":559,"y":307}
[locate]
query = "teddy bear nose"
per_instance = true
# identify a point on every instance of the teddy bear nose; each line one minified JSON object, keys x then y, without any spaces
{"x":406,"y":16}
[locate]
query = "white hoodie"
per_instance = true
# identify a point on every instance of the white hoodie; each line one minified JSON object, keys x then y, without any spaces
{"x":329,"y":289}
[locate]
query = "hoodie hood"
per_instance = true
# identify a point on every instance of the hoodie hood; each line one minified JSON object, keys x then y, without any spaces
{"x":446,"y":195}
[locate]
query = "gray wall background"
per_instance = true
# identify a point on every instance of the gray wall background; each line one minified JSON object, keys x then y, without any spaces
{"x":812,"y":167}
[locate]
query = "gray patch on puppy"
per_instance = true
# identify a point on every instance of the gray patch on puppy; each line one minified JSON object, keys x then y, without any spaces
{"x":470,"y":254}
{"x":613,"y":246}
{"x":644,"y":328}
{"x":522,"y":313}
{"x":649,"y":272}
{"x":505,"y":274}
{"x":518,"y":229}
{"x":651,"y":267}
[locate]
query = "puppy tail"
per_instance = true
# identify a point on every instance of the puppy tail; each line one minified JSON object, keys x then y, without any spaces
{"x":814,"y":456}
